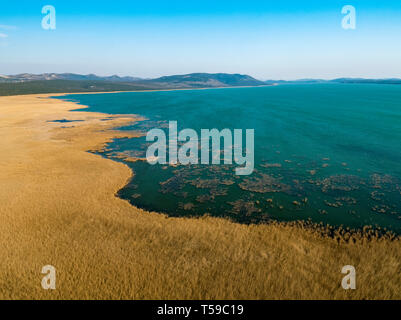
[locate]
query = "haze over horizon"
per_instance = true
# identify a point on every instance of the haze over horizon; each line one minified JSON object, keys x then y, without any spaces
{"x":266,"y":40}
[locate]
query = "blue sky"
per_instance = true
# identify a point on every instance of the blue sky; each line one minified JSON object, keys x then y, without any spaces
{"x":267,"y":39}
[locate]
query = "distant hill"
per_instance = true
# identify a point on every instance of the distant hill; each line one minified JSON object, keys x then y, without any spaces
{"x":64,"y":76}
{"x":208,"y":80}
{"x":69,"y":86}
{"x":69,"y":82}
{"x":194,"y":80}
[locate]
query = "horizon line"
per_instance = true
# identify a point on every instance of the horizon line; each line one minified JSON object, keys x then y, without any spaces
{"x":210,"y":73}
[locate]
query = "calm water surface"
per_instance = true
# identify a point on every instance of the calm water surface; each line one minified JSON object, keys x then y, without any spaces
{"x":328,"y":152}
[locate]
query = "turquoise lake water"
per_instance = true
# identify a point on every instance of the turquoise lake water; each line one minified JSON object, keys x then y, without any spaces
{"x":326,"y":152}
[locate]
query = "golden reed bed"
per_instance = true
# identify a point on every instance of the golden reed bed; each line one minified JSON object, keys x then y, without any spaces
{"x":58,"y":207}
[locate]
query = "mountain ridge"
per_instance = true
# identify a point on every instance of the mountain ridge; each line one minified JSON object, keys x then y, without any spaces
{"x":66,"y":76}
{"x":26,"y":83}
{"x":192,"y":80}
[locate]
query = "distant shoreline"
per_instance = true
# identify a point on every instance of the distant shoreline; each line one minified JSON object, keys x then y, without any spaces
{"x":10,"y":89}
{"x":67,"y":82}
{"x":133,"y":91}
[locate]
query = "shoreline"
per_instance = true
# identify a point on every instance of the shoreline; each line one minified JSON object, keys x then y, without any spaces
{"x":59,"y":207}
{"x":150,"y":90}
